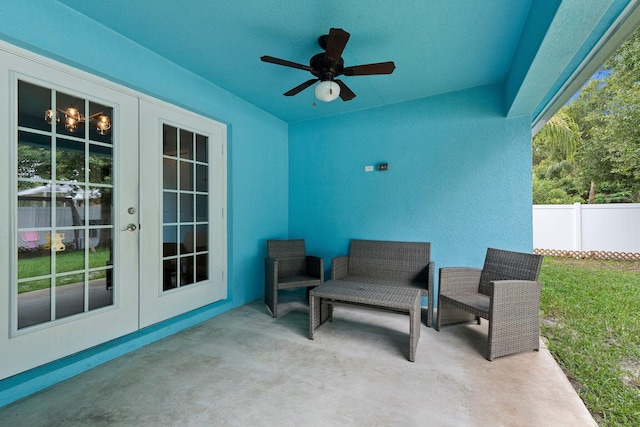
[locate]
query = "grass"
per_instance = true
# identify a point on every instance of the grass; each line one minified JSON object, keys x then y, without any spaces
{"x":66,"y":261}
{"x":590,"y":321}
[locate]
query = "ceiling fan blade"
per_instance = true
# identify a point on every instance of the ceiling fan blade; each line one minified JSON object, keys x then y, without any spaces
{"x":346,"y":94}
{"x":284,"y":62}
{"x":296,"y":90}
{"x":370,"y":69}
{"x":336,"y":42}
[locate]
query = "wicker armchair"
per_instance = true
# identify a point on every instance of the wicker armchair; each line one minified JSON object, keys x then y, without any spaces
{"x":288,"y":266}
{"x":505,"y":292}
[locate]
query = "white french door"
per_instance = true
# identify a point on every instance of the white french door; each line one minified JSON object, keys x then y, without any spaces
{"x":69,"y":263}
{"x":98,"y":240}
{"x":183,"y":200}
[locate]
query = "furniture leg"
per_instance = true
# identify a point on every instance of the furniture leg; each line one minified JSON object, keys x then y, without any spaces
{"x":314,"y":314}
{"x":414,"y":329}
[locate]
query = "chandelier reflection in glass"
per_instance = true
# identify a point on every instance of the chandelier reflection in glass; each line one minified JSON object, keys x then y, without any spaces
{"x":74,"y":118}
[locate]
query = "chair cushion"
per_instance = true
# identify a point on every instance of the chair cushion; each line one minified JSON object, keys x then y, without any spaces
{"x":478,"y":304}
{"x":297,"y":281}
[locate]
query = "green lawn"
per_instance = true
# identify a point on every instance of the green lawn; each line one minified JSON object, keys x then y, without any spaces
{"x":591,"y":323}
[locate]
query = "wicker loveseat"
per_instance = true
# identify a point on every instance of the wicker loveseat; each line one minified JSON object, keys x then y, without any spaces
{"x":404,"y":264}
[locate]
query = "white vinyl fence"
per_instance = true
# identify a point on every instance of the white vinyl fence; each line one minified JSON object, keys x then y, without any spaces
{"x":587,"y":228}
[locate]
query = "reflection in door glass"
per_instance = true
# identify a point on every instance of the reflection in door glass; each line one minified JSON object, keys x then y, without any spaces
{"x":69,"y":295}
{"x":34,"y":157}
{"x":64,"y":199}
{"x":185,"y":208}
{"x":100,"y":164}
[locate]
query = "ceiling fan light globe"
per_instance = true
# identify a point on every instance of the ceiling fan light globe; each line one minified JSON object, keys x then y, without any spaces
{"x":327,"y":91}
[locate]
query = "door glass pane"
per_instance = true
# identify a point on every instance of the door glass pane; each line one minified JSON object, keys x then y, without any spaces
{"x":33,"y":103}
{"x":169,"y":207}
{"x":68,"y":113}
{"x":100,"y":130}
{"x":34,"y":156}
{"x":186,"y":176}
{"x":202,"y":184}
{"x":69,"y":295}
{"x":68,"y":260}
{"x":69,"y":160}
{"x":185,"y":208}
{"x":34,"y":302}
{"x":33,"y":259}
{"x":100,"y":164}
{"x":202,"y":238}
{"x":99,"y":295}
{"x":170,"y":176}
{"x":169,"y":141}
{"x":99,"y":243}
{"x":201,"y":149}
{"x":65,"y":214}
{"x":202,"y":267}
{"x":202,"y":207}
{"x":186,"y":144}
{"x":169,"y":273}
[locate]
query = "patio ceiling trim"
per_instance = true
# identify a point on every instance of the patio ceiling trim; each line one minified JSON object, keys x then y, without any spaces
{"x":624,"y":26}
{"x":573,"y":29}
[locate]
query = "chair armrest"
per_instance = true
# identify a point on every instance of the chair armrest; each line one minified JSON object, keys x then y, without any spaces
{"x":515,"y":293}
{"x":339,"y":267}
{"x":458,"y":280}
{"x":271,"y":271}
{"x":431,"y":267}
{"x":315,"y":267}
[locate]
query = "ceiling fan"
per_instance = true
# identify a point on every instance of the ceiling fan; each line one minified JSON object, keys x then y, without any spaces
{"x":328,"y":65}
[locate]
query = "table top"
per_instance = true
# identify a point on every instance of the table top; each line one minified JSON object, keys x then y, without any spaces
{"x":365,"y":293}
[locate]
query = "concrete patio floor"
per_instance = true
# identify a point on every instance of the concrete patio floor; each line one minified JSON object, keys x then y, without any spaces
{"x":244,"y":368}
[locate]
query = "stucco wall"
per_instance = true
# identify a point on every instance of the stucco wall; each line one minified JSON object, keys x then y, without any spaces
{"x":459,"y":177}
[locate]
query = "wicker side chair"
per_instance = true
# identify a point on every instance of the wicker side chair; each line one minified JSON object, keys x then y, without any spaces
{"x":288,"y":266}
{"x":506,"y":292}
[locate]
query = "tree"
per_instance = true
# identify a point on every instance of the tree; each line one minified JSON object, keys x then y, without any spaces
{"x":607,"y":114}
{"x":561,"y":135}
{"x":554,"y":149}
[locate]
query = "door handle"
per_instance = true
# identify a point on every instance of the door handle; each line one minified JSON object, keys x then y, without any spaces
{"x":131,"y":227}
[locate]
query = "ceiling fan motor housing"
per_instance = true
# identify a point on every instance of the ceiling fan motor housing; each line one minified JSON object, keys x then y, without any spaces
{"x":324,"y":68}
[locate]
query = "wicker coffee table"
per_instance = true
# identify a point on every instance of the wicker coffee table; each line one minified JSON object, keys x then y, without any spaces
{"x":380,"y":297}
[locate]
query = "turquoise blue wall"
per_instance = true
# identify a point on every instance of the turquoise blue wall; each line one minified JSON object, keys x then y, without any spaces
{"x":457,"y":177}
{"x":257,"y":161}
